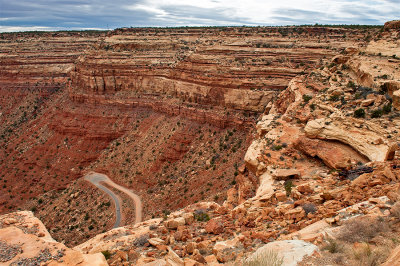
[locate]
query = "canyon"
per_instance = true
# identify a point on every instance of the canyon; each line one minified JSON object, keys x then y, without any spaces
{"x":234,"y":138}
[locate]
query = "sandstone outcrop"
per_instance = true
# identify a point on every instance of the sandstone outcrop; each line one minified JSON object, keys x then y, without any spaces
{"x":334,"y":154}
{"x":285,"y":174}
{"x":390,"y":25}
{"x":25,"y":240}
{"x":367,"y":138}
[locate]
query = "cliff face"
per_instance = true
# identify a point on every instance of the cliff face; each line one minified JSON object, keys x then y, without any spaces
{"x":45,"y":139}
{"x":42,"y":60}
{"x":233,"y":68}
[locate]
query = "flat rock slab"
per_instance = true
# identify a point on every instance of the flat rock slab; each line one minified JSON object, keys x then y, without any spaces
{"x":365,"y":137}
{"x":334,"y":153}
{"x":291,"y":251}
{"x":285,"y":174}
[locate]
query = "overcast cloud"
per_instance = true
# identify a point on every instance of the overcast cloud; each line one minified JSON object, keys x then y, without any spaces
{"x":16,"y":15}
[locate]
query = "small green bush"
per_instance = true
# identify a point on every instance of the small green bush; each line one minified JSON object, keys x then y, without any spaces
{"x":332,"y":246}
{"x":306,"y":98}
{"x":201,"y":216}
{"x":351,"y":84}
{"x":106,"y":254}
{"x":288,"y":186}
{"x":387,"y":108}
{"x":277,"y":147}
{"x":359,"y":113}
{"x":376,"y":113}
{"x":334,"y":98}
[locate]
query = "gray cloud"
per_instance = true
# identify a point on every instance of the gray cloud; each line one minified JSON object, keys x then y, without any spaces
{"x":72,"y":14}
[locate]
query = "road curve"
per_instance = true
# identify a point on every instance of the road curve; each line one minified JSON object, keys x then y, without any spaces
{"x":97,"y":178}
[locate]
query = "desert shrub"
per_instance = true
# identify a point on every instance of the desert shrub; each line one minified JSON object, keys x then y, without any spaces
{"x":343,"y":100}
{"x":395,"y":210}
{"x":359,"y":113}
{"x":106,"y":254}
{"x":376,"y":113}
{"x":276,"y":147}
{"x":141,"y":241}
{"x":309,"y":208}
{"x":351,"y":84}
{"x":306,"y":98}
{"x":368,"y":257}
{"x":153,"y":227}
{"x":362,"y":229}
{"x":288,"y":186}
{"x":201,"y":216}
{"x":266,"y":258}
{"x":387,"y":108}
{"x":332,"y":246}
{"x":334,"y":98}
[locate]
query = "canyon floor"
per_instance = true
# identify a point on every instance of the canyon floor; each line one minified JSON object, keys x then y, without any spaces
{"x":202,"y":146}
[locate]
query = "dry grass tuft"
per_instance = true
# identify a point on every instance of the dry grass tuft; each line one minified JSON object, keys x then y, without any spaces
{"x":267,"y":258}
{"x":362,"y":229}
{"x":367,"y":256}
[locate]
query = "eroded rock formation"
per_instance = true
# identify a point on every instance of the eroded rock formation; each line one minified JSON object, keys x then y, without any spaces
{"x":366,"y":138}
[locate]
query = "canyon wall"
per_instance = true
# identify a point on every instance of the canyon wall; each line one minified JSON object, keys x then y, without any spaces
{"x":155,"y":109}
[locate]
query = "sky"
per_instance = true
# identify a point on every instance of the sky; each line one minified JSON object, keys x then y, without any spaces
{"x":24,"y":15}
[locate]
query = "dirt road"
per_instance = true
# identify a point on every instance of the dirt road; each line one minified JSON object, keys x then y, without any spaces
{"x":97,"y":178}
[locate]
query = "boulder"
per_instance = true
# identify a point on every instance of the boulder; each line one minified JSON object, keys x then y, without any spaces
{"x":174,"y":223}
{"x":265,"y":190}
{"x":295,"y":214}
{"x":224,"y":245}
{"x":159,"y":262}
{"x":190,"y":247}
{"x":365,"y":137}
{"x":367,"y":102}
{"x":311,"y":232}
{"x":333,"y":153}
{"x":214,"y":226}
{"x":211,"y":260}
{"x":156,"y":241}
{"x":340,"y":59}
{"x":173,"y":259}
{"x":285,"y":174}
{"x":351,"y":50}
{"x":396,"y":100}
{"x":281,"y":196}
{"x":291,"y":252}
{"x":252,"y":154}
{"x":391,"y":86}
{"x":190,"y":262}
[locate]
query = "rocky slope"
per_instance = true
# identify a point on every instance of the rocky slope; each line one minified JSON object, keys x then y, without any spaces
{"x":170,"y":115}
